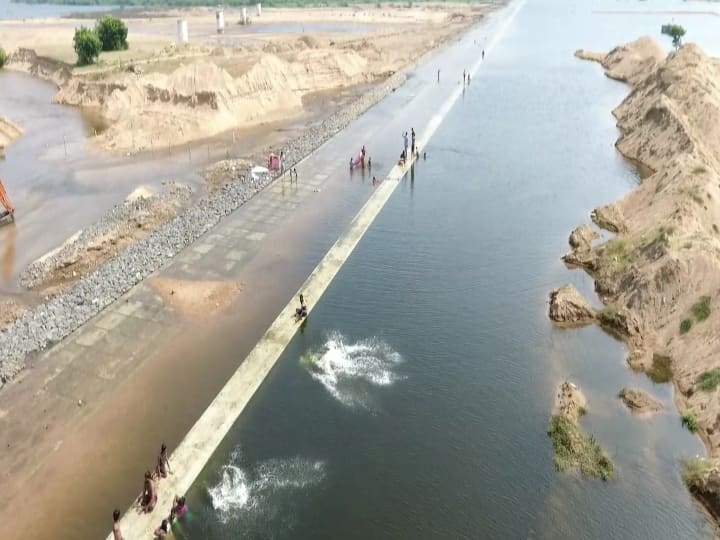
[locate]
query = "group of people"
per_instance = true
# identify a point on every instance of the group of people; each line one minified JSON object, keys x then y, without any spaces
{"x":302,"y":311}
{"x":293,"y":173}
{"x":148,"y":498}
{"x":292,"y":170}
{"x":415,"y":152}
{"x":362,"y":160}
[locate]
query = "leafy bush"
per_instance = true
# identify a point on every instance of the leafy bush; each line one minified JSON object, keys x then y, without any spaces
{"x":3,"y":57}
{"x":709,"y":380}
{"x":690,"y":422}
{"x":685,"y":326}
{"x":112,"y":33}
{"x":701,"y":309}
{"x":87,"y":45}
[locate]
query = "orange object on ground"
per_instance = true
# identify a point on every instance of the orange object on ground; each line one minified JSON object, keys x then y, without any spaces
{"x":5,"y":200}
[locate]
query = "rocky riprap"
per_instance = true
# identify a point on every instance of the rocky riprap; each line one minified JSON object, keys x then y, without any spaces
{"x":50,"y":322}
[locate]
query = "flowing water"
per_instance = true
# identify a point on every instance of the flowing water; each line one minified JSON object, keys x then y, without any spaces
{"x":415,"y":403}
{"x":18,"y":10}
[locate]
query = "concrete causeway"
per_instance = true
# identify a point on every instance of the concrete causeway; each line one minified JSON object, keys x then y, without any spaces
{"x":190,"y":457}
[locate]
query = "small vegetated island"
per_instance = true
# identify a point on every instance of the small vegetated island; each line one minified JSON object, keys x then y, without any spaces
{"x":575,"y":450}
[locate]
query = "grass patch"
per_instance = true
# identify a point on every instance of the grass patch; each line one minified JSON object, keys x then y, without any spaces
{"x":709,"y":380}
{"x":608,"y":313}
{"x":701,"y":309}
{"x":699,"y":170}
{"x":685,"y":326}
{"x":694,"y":471}
{"x":661,"y":370}
{"x":576,"y":451}
{"x":690,"y":422}
{"x":618,"y":254}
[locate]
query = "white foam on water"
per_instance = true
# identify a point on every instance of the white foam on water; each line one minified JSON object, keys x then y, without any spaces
{"x":247,"y":493}
{"x":347,"y":370}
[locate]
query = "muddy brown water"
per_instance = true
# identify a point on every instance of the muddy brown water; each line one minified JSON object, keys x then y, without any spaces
{"x":60,"y":184}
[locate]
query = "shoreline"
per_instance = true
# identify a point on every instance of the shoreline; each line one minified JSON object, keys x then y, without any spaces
{"x":649,"y":276}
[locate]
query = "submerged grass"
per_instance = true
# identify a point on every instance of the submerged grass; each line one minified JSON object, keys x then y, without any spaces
{"x":576,"y":451}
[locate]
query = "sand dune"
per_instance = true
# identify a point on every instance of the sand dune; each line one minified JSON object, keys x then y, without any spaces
{"x":8,"y":132}
{"x":660,"y":276}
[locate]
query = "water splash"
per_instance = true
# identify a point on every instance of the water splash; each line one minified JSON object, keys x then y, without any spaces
{"x":257,"y":493}
{"x":349,"y":370}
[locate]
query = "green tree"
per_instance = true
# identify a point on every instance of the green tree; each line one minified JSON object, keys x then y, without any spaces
{"x":676,"y":32}
{"x":87,"y":45}
{"x":112,"y":33}
{"x":3,"y":57}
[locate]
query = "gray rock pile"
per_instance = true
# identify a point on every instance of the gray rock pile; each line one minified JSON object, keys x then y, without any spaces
{"x":52,"y":321}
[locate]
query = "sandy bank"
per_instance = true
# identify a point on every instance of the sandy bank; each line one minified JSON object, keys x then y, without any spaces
{"x":159,"y":95}
{"x":660,"y":276}
{"x":8,"y":132}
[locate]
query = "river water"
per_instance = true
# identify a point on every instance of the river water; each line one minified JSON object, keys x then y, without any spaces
{"x":428,"y":414}
{"x":18,"y":10}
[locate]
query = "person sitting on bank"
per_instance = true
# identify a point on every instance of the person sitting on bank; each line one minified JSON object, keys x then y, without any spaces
{"x":148,"y":497}
{"x":403,"y":157}
{"x":301,"y":312}
{"x":179,"y":508}
{"x":163,"y":529}
{"x":163,"y":464}
{"x":117,"y":533}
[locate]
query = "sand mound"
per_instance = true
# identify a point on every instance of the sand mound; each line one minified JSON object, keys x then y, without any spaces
{"x":571,"y":402}
{"x":661,"y":274}
{"x":197,"y":298}
{"x":201,"y":99}
{"x":631,"y":62}
{"x":638,"y":401}
{"x":8,"y":132}
{"x":635,"y":60}
{"x":568,"y":307}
